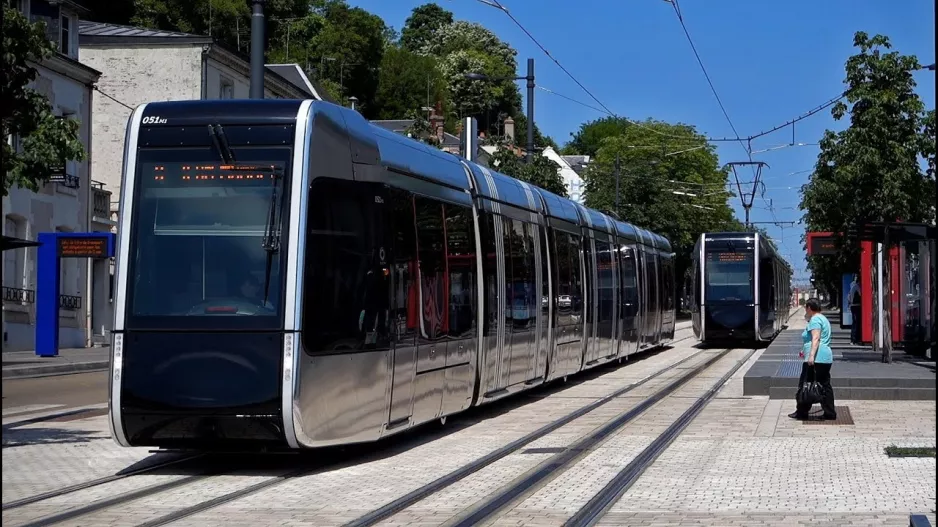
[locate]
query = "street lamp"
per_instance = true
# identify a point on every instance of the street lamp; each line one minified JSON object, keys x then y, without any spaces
{"x":530,"y":115}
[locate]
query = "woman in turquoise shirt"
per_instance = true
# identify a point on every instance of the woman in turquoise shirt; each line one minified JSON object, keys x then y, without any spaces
{"x":818,"y":358}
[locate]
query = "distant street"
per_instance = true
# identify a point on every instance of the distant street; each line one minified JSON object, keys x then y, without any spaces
{"x":79,"y":389}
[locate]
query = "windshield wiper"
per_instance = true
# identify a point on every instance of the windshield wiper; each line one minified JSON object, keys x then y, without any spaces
{"x":271,"y":241}
{"x":221,"y":143}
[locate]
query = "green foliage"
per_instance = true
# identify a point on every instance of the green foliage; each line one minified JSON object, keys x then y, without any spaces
{"x":407,"y":82}
{"x":542,"y":172}
{"x":589,"y":138}
{"x":648,"y":179}
{"x":871,"y":170}
{"x":45,"y":141}
{"x":421,"y":129}
{"x":421,"y":26}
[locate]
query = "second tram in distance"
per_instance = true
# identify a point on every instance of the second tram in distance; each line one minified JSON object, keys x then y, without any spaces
{"x":740,"y":288}
{"x":291,"y":275}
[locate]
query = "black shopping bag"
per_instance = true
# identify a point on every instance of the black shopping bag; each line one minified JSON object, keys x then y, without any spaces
{"x":810,"y":391}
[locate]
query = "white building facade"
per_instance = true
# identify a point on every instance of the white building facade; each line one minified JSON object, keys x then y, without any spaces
{"x":63,"y":205}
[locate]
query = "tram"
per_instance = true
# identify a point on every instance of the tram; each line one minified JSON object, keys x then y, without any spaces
{"x":740,"y":289}
{"x":292,"y":276}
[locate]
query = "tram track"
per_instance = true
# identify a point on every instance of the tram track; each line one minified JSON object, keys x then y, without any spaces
{"x":88,"y":512}
{"x":487,"y":508}
{"x":99,"y":481}
{"x":437,"y":485}
{"x":531,"y":481}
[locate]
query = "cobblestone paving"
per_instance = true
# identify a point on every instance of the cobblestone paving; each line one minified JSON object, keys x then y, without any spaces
{"x":740,"y":462}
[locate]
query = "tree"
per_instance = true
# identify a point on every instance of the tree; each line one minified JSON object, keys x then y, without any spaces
{"x":45,"y":140}
{"x":588,"y":139}
{"x":423,"y":23}
{"x":355,"y":39}
{"x":542,"y":172}
{"x":871,"y":171}
{"x":648,"y":180}
{"x":407,"y":82}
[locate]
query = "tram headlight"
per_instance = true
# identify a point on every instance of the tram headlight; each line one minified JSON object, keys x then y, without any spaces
{"x":117,"y":359}
{"x":287,"y":357}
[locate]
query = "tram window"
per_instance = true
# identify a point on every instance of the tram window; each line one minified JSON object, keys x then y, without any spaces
{"x":604,"y":281}
{"x":569,"y":282}
{"x":728,"y":276}
{"x":347,"y":287}
{"x":654,"y":275}
{"x":766,"y":279}
{"x":490,"y":268}
{"x":431,"y":252}
{"x":545,"y":269}
{"x":196,"y":248}
{"x":667,"y":269}
{"x":521,"y":299}
{"x":629,"y":281}
{"x":461,"y":270}
{"x":405,"y":307}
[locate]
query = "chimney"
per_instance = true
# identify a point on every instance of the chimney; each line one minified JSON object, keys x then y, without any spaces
{"x":510,"y":129}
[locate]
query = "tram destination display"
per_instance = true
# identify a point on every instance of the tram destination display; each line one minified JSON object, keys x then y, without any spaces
{"x":85,"y":247}
{"x":728,"y":257}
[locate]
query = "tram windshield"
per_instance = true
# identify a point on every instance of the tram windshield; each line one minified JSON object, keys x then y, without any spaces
{"x":206,"y":238}
{"x":729,"y":276}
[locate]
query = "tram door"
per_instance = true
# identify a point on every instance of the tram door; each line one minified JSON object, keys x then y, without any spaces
{"x":404,"y":304}
{"x":629,"y":334}
{"x":654,"y":296}
{"x":645,"y":314}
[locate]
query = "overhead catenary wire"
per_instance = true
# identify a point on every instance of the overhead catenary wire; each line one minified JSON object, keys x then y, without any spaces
{"x":693,"y":47}
{"x":499,"y":6}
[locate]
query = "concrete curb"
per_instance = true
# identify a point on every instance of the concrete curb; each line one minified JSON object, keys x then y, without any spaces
{"x":17,"y":372}
{"x":44,"y":415}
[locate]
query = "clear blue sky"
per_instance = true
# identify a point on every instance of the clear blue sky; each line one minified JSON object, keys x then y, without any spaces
{"x":769,"y":61}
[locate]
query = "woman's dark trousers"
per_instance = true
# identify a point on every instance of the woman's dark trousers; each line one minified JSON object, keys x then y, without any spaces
{"x":822,"y":374}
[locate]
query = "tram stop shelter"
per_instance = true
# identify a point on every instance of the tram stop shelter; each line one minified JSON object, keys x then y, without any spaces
{"x":894,"y":360}
{"x":53,"y":246}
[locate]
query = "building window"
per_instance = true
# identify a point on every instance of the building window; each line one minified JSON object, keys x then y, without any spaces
{"x":226,"y":91}
{"x":14,"y":259}
{"x":66,"y":34}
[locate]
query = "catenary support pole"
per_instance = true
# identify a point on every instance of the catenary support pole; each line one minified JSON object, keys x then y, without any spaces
{"x":257,"y":50}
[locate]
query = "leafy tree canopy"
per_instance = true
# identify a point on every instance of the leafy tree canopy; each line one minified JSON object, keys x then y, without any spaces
{"x":648,"y":179}
{"x":871,"y":171}
{"x":423,"y":23}
{"x":408,"y":82}
{"x":45,"y":141}
{"x":589,"y":138}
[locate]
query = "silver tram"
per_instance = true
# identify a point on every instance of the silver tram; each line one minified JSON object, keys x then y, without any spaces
{"x":291,"y":276}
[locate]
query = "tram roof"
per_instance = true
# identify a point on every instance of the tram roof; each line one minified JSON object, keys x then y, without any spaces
{"x":397,"y":153}
{"x":224,"y":112}
{"x":558,"y":207}
{"x":499,"y":187}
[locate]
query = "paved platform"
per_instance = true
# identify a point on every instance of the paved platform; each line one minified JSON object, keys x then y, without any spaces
{"x":18,"y":364}
{"x":858,"y":372}
{"x":740,"y":462}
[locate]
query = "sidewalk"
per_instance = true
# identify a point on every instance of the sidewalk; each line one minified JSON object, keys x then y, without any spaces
{"x":17,"y":364}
